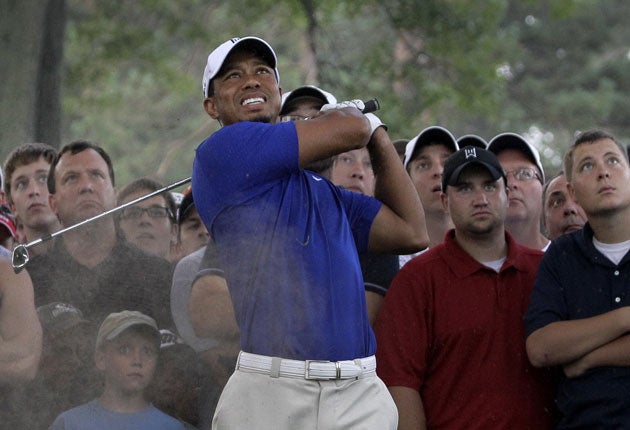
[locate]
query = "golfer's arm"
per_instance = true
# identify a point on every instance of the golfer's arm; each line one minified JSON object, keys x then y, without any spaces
{"x":331,"y":132}
{"x":210,"y":308}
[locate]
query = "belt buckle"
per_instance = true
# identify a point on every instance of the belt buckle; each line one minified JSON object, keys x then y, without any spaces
{"x":307,"y":370}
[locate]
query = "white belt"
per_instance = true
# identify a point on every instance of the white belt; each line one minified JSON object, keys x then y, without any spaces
{"x":309,"y":369}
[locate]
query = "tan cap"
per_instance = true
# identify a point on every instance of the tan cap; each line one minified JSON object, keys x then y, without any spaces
{"x":117,"y":322}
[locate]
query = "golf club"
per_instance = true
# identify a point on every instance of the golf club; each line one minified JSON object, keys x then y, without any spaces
{"x":20,"y":256}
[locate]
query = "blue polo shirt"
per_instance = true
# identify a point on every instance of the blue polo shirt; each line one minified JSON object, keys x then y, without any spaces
{"x":288,"y":242}
{"x":576,"y":281}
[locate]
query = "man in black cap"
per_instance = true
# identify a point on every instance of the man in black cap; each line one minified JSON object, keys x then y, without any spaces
{"x":472,"y":140}
{"x":458,"y":352}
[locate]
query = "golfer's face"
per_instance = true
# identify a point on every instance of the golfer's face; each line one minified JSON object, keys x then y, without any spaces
{"x":246,"y":90}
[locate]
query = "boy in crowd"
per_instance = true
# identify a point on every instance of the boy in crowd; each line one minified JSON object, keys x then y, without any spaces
{"x":127,"y":346}
{"x":26,"y":169}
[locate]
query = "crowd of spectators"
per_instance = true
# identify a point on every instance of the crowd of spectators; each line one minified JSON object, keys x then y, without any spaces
{"x":147,"y":291}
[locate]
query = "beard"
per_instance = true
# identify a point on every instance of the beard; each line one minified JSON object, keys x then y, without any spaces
{"x":262,"y":118}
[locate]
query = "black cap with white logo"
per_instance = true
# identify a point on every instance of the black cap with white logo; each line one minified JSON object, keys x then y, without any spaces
{"x":469,"y":155}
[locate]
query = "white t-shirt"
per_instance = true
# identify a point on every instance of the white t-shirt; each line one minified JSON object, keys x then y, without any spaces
{"x":613,"y":251}
{"x":494,"y":265}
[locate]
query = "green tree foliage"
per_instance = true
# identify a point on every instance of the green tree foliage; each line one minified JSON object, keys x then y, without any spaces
{"x":132,"y":70}
{"x":128,"y":84}
{"x":571,"y":71}
{"x":447,"y":73}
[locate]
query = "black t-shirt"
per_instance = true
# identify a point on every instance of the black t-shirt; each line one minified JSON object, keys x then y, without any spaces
{"x":378,"y":271}
{"x":129,"y":279}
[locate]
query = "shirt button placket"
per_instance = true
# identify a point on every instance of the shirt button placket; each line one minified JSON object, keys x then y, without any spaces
{"x":617,"y":298}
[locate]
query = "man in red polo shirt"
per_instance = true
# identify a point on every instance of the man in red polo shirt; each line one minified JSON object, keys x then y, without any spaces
{"x":450,"y":334}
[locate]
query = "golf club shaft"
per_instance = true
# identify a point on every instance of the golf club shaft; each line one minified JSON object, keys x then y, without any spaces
{"x":101,"y":215}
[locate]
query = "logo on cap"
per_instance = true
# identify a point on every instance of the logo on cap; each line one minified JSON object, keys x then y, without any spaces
{"x":470,"y":152}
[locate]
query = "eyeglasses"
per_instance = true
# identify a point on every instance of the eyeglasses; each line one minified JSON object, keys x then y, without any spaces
{"x":135,"y":212}
{"x":291,"y":118}
{"x":524,"y":174}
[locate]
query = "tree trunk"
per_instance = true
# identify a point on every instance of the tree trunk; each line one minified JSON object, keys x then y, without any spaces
{"x":31,"y":44}
{"x":48,"y":106}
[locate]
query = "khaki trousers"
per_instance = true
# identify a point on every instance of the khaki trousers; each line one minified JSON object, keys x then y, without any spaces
{"x":257,"y":401}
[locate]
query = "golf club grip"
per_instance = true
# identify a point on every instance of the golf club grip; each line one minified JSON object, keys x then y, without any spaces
{"x":371,"y":106}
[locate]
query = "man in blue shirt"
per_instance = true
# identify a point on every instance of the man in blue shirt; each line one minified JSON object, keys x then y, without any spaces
{"x":288,"y":242}
{"x":578,"y":317}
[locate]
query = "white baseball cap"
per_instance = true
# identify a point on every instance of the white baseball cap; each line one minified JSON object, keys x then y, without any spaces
{"x":433,"y":134}
{"x":218,"y":56}
{"x":504,"y":141}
